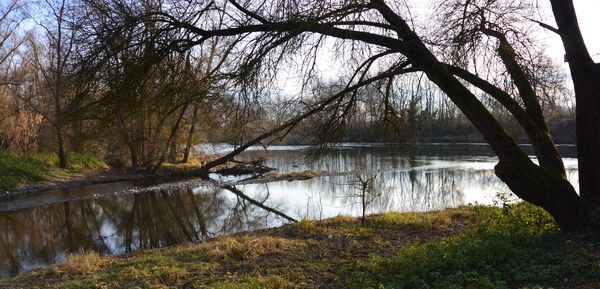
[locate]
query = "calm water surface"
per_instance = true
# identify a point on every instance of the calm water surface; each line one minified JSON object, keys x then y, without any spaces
{"x":40,"y":229}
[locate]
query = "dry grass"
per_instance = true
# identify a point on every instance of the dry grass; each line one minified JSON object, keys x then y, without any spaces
{"x":80,"y":264}
{"x":250,"y":247}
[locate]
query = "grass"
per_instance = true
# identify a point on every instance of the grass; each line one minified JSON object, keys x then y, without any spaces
{"x":517,"y":246}
{"x":80,"y":264}
{"x":180,"y":169}
{"x":17,"y":169}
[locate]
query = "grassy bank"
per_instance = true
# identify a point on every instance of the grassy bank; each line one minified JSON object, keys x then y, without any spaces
{"x":17,"y":169}
{"x":468,"y":247}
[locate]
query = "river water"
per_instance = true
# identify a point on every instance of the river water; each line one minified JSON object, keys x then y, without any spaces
{"x":42,"y":228}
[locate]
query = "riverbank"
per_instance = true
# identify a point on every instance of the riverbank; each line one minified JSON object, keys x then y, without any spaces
{"x":466,"y":247}
{"x":20,"y":175}
{"x":69,"y":179}
{"x":39,"y":172}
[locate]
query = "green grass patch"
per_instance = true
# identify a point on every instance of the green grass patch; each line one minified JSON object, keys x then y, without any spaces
{"x":84,"y":161}
{"x":518,"y":246}
{"x":75,"y":161}
{"x":436,"y":220}
{"x":16,"y":169}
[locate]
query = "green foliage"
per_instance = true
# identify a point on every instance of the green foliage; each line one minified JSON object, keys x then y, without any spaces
{"x":508,"y":248}
{"x":48,"y":159}
{"x":437,"y":220}
{"x":84,"y":161}
{"x":271,"y":282}
{"x":75,"y":161}
{"x":17,"y":169}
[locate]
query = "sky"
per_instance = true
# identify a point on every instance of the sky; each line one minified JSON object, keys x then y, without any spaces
{"x":589,"y":23}
{"x":588,"y":12}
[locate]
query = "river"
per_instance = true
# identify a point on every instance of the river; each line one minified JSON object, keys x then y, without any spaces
{"x":42,"y":228}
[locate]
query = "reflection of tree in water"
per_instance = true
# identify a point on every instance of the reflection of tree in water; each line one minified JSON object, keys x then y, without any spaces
{"x":409,"y":184}
{"x":40,"y":236}
{"x":422,"y":190}
{"x":411,"y":189}
{"x":407,"y":189}
{"x":248,"y":212}
{"x":416,"y":182}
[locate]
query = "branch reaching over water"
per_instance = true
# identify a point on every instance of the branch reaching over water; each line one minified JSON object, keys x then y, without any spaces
{"x":259,"y":204}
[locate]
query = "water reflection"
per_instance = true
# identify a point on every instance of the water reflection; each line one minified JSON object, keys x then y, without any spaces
{"x":40,"y":229}
{"x":421,"y":178}
{"x":43,"y":235}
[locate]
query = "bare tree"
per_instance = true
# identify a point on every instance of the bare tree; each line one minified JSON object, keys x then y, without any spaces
{"x":366,"y":185}
{"x":17,"y":125}
{"x":52,"y":62}
{"x":384,"y":45}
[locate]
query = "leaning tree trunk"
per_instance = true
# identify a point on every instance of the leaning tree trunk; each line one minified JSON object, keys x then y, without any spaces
{"x":540,"y":186}
{"x":544,"y":188}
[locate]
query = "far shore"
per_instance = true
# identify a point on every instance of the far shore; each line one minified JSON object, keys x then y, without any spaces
{"x":178,"y":175}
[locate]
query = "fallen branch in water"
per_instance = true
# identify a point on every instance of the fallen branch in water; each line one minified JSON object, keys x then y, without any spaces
{"x":259,"y":204}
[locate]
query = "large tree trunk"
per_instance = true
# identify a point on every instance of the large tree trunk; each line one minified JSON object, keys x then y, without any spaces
{"x":588,"y":138}
{"x":62,"y":156}
{"x":540,"y":186}
{"x":586,"y":80}
{"x":133,"y":154}
{"x":544,"y":188}
{"x":58,"y":123}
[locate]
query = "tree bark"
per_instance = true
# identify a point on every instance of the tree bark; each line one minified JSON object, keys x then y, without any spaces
{"x":540,"y":186}
{"x":586,"y":80}
{"x":190,"y":136}
{"x":62,"y":156}
{"x":545,"y":188}
{"x":134,"y":155}
{"x":588,"y":137}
